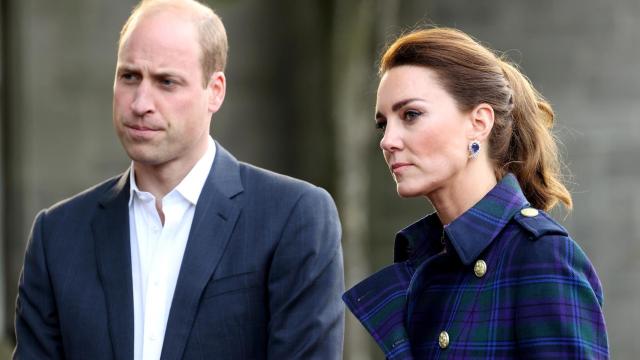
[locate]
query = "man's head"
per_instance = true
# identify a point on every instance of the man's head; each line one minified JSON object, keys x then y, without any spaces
{"x":211,"y":33}
{"x":161,"y":110}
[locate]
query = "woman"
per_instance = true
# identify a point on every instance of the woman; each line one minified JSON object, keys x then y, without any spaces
{"x":489,"y":274}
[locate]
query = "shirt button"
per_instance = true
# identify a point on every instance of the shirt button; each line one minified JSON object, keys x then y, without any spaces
{"x":443,"y":340}
{"x":480,"y":268}
{"x":529,"y":212}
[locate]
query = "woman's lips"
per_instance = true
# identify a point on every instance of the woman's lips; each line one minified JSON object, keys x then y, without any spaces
{"x":397,"y":168}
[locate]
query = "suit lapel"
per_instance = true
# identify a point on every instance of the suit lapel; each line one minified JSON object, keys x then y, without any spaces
{"x":113,"y":255}
{"x":213,"y":222}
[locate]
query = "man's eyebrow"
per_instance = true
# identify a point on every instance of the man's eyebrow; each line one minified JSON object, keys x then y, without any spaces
{"x":156,"y":75}
{"x":126,"y":68}
{"x":165,"y":74}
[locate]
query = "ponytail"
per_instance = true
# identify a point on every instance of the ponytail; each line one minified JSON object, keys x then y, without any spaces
{"x":533,"y":154}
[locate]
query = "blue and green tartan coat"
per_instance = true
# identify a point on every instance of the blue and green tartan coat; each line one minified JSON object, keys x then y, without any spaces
{"x":502,"y":283}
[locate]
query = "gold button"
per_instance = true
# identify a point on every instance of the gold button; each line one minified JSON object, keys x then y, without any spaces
{"x":480,"y":268}
{"x":529,"y":212}
{"x":443,"y":340}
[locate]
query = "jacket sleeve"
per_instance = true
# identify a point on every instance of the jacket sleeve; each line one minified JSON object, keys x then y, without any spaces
{"x":559,"y":303}
{"x":37,"y":328}
{"x":306,"y":281}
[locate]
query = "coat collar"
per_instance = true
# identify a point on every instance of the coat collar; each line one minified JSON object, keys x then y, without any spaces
{"x":379,"y":302}
{"x":471,"y":233}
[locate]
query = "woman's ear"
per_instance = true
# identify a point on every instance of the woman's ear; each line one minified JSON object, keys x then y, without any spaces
{"x":482,"y":118}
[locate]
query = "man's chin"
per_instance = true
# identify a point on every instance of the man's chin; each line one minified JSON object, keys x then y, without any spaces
{"x":146,"y":158}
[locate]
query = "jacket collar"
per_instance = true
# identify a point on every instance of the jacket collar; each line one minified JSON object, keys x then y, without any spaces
{"x":214,"y":219}
{"x":469,"y":234}
{"x":215,"y":216}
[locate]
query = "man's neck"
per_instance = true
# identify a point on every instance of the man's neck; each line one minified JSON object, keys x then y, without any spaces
{"x":159,"y":180}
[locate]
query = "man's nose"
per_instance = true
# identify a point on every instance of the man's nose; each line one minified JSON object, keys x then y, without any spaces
{"x":143,"y":102}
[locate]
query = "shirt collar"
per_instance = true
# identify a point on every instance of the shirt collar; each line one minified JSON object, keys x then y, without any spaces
{"x":133,"y":186}
{"x":469,"y":234}
{"x":191,"y":186}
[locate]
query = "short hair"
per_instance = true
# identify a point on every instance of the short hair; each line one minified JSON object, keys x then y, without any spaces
{"x":521,"y":140}
{"x":212,"y":36}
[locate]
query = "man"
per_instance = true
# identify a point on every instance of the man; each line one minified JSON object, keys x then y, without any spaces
{"x":189,"y":254}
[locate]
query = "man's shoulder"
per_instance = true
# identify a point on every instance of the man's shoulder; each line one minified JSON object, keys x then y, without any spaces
{"x":274,"y":190}
{"x":257,"y":178}
{"x":85,"y":199}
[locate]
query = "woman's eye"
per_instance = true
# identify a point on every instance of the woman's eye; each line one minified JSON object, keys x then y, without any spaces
{"x":381,"y":125}
{"x":411,"y":114}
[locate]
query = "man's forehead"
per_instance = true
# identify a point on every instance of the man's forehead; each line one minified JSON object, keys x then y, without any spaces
{"x":161,"y":34}
{"x":162,"y":27}
{"x":153,"y":47}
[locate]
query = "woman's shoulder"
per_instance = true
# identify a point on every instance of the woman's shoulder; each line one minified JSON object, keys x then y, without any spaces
{"x":541,"y":250}
{"x":534,"y":234}
{"x":538,"y":223}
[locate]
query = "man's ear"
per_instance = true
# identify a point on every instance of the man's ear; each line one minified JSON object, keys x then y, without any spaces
{"x":217,"y":88}
{"x":482,"y":118}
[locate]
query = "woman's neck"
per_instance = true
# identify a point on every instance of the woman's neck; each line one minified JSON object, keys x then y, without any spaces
{"x":462,"y":192}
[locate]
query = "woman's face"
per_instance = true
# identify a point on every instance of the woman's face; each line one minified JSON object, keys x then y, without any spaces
{"x":425,"y":135}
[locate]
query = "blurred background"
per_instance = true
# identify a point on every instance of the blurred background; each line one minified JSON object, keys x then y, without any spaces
{"x":301,"y":91}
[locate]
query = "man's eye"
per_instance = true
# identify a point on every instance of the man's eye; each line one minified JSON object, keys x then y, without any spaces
{"x":129,"y":77}
{"x":167,"y":82}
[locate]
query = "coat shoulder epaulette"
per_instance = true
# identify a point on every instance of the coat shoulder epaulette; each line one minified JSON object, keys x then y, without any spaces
{"x":538,"y":223}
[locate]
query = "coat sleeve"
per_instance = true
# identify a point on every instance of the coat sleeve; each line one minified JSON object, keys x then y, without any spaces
{"x":559,"y":303}
{"x":37,"y":328}
{"x":306,"y":281}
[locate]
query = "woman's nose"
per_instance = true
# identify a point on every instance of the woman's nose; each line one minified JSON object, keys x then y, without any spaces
{"x":391,"y":140}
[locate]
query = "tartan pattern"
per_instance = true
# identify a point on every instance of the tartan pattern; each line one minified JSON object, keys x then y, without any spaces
{"x":540,"y":297}
{"x":376,"y":303}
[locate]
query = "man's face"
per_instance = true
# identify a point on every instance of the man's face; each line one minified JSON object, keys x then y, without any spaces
{"x":161,"y":111}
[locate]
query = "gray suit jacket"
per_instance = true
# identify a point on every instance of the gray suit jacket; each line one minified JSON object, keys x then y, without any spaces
{"x":261,"y":276}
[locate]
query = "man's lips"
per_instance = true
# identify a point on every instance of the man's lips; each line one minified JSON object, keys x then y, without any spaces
{"x":141,"y":132}
{"x":141,"y":127}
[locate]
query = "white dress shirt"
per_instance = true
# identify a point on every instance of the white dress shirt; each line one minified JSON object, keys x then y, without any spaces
{"x":157,"y":251}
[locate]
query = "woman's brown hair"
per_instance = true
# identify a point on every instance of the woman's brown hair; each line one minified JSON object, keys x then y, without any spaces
{"x":521,"y":141}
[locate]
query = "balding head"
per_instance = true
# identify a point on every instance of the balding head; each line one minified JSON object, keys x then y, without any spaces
{"x":212,"y":36}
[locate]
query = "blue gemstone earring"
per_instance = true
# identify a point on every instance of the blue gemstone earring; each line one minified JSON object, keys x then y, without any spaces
{"x":474,"y":149}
